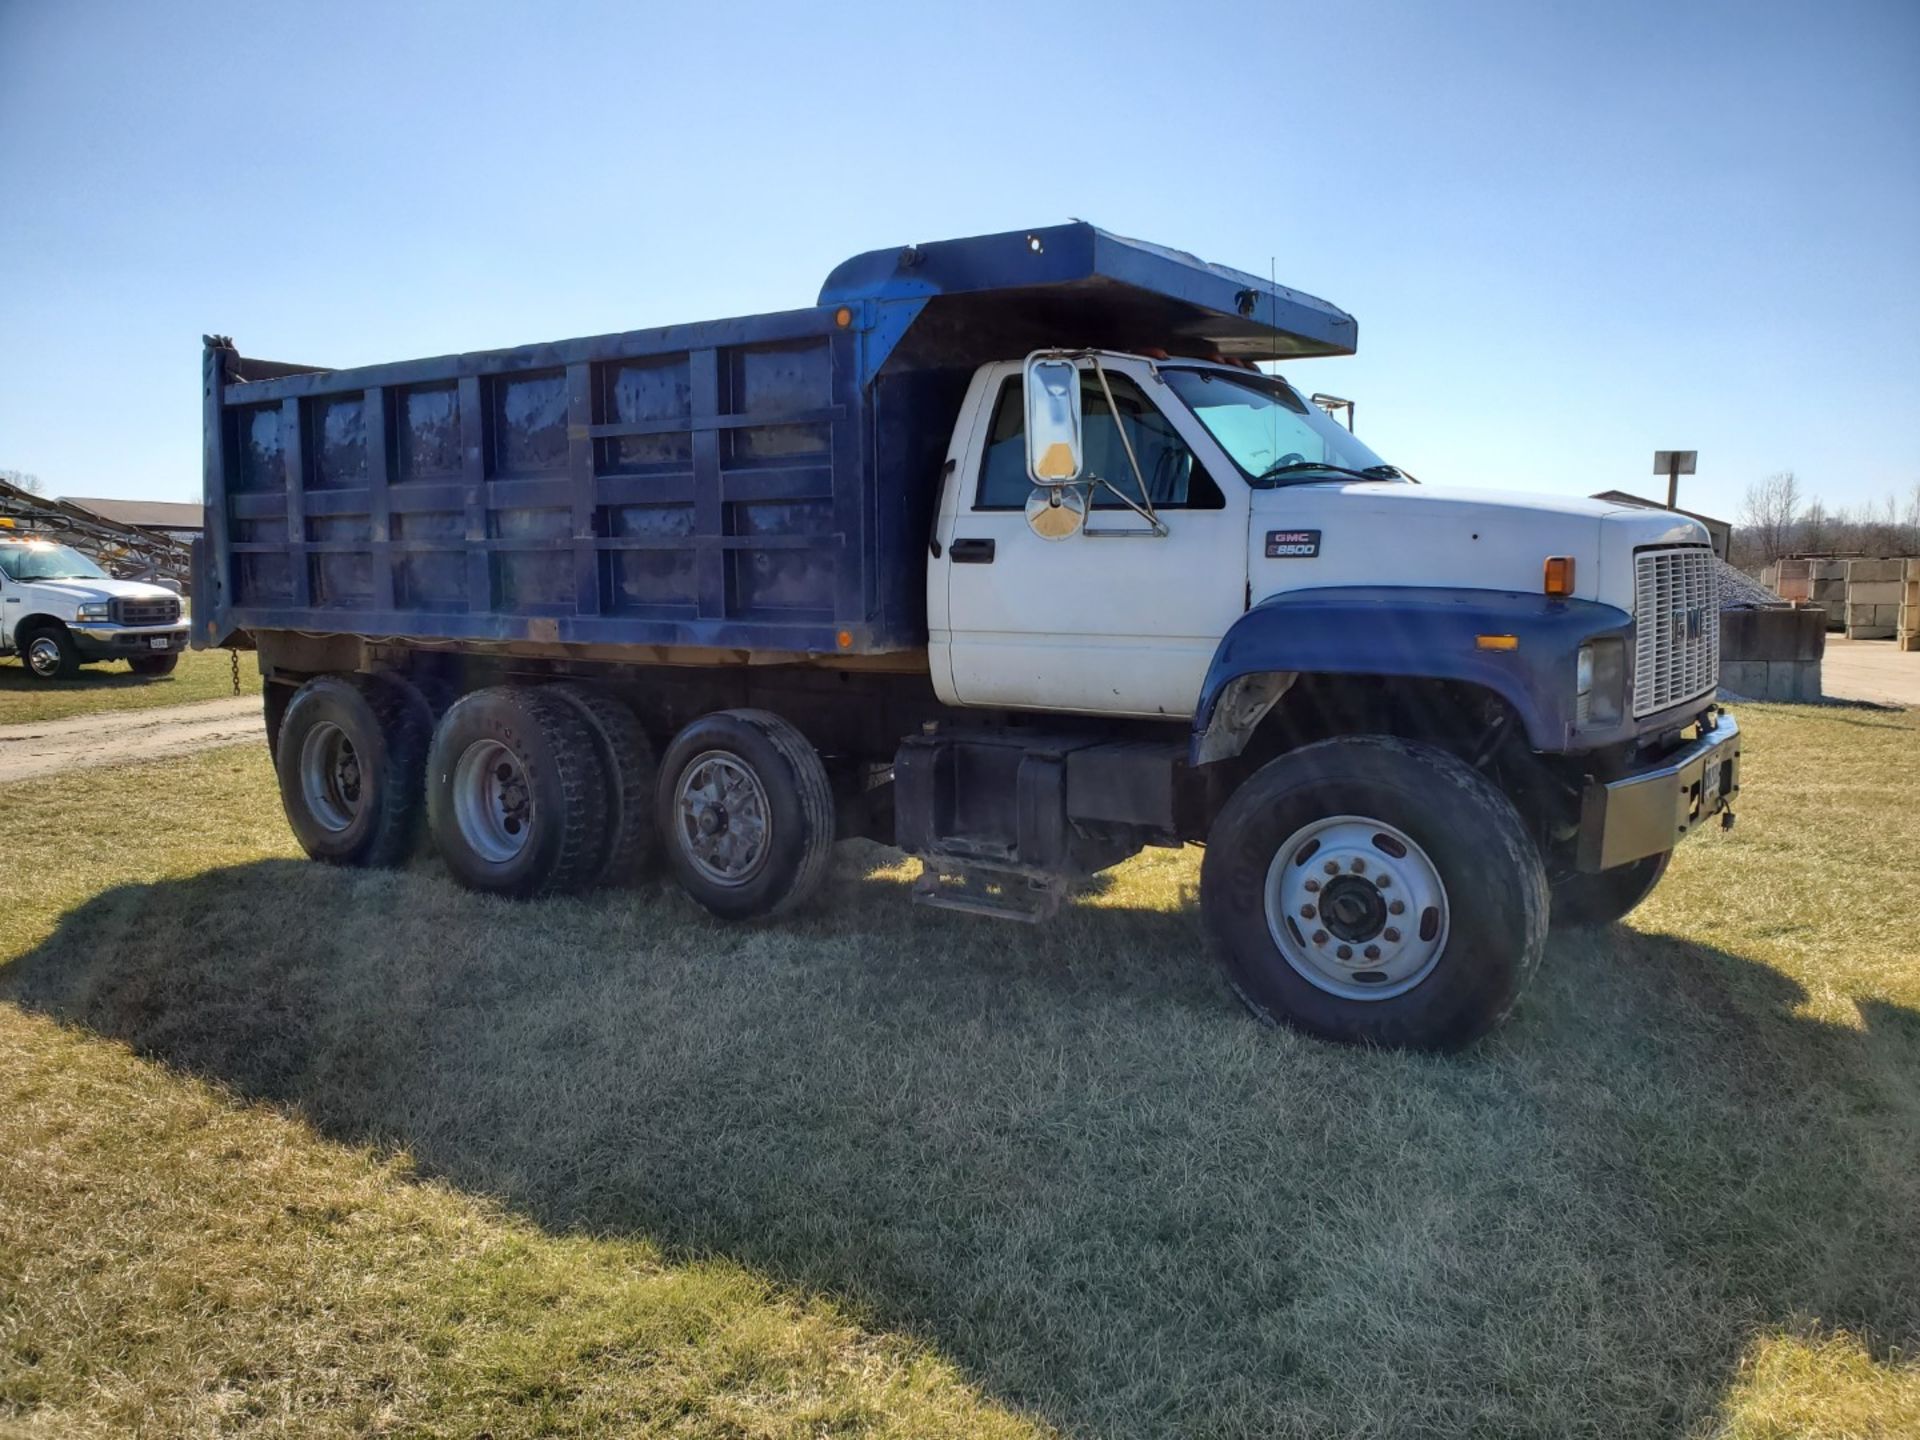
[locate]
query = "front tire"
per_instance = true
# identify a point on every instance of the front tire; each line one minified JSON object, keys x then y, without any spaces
{"x":516,"y":795}
{"x":350,"y":754}
{"x":1377,"y":891}
{"x":154,"y":666}
{"x":746,"y":814}
{"x":1605,"y":896}
{"x":49,"y":654}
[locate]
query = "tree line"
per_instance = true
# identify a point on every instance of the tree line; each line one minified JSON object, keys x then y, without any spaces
{"x":1776,"y":520}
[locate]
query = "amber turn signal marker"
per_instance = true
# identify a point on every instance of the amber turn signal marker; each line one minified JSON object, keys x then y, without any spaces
{"x":1497,"y":642}
{"x":1558,"y":576}
{"x":845,"y":639}
{"x":843,"y":317}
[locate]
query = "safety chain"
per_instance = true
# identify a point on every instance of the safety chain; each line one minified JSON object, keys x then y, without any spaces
{"x":233,"y":655}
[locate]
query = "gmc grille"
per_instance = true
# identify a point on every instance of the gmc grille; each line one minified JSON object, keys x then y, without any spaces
{"x":146,"y":612}
{"x":1676,"y":618}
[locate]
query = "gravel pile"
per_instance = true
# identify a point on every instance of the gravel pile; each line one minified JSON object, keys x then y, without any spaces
{"x":1740,"y":591}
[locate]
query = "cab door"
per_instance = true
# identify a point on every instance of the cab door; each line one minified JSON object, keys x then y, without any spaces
{"x":1112,"y":620}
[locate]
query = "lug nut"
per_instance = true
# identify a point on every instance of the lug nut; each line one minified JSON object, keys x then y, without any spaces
{"x":1383,"y":881}
{"x":1372,"y":952}
{"x":1306,"y":912}
{"x":1319,"y":937}
{"x":1333,"y":867}
{"x":1398,"y":907}
{"x":1390,"y":935}
{"x":1313,"y":887}
{"x":1359,"y":866}
{"x":1345,"y":952}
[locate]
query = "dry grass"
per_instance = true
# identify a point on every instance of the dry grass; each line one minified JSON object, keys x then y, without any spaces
{"x":201,"y":675}
{"x":287,"y":1148}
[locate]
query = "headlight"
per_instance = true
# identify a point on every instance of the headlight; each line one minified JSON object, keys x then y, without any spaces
{"x":1600,"y":683}
{"x":95,"y":610}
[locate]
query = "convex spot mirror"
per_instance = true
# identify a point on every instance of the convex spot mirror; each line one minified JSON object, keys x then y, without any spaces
{"x":1054,"y":455}
{"x":1055,"y":512}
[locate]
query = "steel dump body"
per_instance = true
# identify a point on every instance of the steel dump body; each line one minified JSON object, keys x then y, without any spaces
{"x":760,"y":484}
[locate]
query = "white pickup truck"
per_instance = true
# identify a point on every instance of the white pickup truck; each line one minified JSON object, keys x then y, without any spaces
{"x":59,"y":611}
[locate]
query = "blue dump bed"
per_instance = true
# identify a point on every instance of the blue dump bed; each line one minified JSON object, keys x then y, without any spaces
{"x":757,"y":484}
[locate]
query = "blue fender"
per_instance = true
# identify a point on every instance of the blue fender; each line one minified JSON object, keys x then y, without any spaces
{"x":1425,"y":633}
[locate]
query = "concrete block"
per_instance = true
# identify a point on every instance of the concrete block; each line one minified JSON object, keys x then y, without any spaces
{"x":1873,"y":592}
{"x":1830,"y":570}
{"x":1865,"y":572}
{"x":1744,"y":677}
{"x":1863,"y":631}
{"x":1834,"y":589}
{"x":1792,"y":680}
{"x":1913,"y":568}
{"x":1773,"y":634}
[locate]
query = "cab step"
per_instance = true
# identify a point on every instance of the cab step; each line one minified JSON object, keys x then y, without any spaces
{"x":1005,"y":894}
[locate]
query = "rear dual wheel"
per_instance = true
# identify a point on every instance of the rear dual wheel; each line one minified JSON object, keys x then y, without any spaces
{"x":349,"y":756}
{"x":746,"y":814}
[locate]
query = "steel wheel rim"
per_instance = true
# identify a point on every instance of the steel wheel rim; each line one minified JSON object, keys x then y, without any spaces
{"x":330,"y":778}
{"x":43,"y":655}
{"x":1356,"y":907}
{"x":723,"y":822}
{"x":492,"y":801}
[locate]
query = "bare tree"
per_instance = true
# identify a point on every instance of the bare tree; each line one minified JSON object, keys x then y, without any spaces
{"x":20,"y":478}
{"x":1771,"y":507}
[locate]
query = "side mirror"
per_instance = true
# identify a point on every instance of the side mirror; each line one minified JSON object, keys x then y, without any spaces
{"x":1054,"y":453}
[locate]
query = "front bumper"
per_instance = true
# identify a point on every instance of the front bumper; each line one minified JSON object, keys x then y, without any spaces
{"x":1649,"y":811}
{"x":122,"y":642}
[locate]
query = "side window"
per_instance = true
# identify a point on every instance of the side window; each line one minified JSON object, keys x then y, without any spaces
{"x":1175,"y":479}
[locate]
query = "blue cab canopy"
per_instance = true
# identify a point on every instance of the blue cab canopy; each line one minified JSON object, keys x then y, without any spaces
{"x":962,"y":302}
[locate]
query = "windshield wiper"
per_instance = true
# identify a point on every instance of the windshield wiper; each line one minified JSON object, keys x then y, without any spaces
{"x":1298,"y":467}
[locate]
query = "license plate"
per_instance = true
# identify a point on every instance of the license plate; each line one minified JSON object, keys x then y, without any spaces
{"x":1710,"y":778}
{"x":157,"y":642}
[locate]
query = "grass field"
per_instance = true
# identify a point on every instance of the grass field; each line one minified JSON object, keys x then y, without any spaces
{"x":201,"y":675}
{"x":286,"y":1149}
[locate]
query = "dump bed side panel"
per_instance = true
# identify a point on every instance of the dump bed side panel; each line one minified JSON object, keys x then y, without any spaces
{"x":698,"y":485}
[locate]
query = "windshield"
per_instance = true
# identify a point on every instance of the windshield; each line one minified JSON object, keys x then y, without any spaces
{"x":1270,"y":432}
{"x":47,"y":562}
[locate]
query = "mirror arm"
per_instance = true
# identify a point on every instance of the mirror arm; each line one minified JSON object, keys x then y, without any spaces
{"x":1146,"y":514}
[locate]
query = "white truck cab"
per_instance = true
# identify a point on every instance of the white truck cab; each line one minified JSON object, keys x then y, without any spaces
{"x":59,"y":611}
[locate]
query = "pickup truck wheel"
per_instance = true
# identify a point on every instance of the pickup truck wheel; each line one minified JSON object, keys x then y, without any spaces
{"x":49,"y":654}
{"x":627,"y":757}
{"x":746,"y":814}
{"x":349,"y":758}
{"x":1377,"y":891}
{"x":516,"y":794}
{"x":155,"y":665}
{"x":1607,"y":895}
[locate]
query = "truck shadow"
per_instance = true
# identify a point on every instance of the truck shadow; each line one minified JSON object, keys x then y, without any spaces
{"x":1062,"y":1155}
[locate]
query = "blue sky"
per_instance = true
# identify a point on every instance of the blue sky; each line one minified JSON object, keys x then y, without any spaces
{"x":1571,"y":234}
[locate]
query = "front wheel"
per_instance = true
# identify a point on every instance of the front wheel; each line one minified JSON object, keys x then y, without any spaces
{"x":1377,"y":891}
{"x":154,"y":665}
{"x":1607,"y":895}
{"x":50,"y":654}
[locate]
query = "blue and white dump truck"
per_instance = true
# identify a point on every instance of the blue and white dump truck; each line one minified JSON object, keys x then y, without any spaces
{"x":1005,"y":553}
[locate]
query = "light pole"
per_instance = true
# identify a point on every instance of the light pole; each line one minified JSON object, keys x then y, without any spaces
{"x":1673,"y":464}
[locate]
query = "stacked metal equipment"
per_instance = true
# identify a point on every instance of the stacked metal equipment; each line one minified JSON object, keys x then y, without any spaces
{"x":124,"y":551}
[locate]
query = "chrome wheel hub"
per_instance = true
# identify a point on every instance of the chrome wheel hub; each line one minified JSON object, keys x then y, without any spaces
{"x":330,"y":779}
{"x":492,"y":801}
{"x":1356,"y":907}
{"x":724,"y":823}
{"x":44,"y":656}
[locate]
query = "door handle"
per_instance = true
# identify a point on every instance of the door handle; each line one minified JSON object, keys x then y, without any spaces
{"x":971,"y":552}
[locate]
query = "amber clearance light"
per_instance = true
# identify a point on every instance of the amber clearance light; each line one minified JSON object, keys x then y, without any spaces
{"x":1557,"y":578}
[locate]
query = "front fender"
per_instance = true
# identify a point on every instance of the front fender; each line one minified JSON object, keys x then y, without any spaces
{"x":1420,"y":632}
